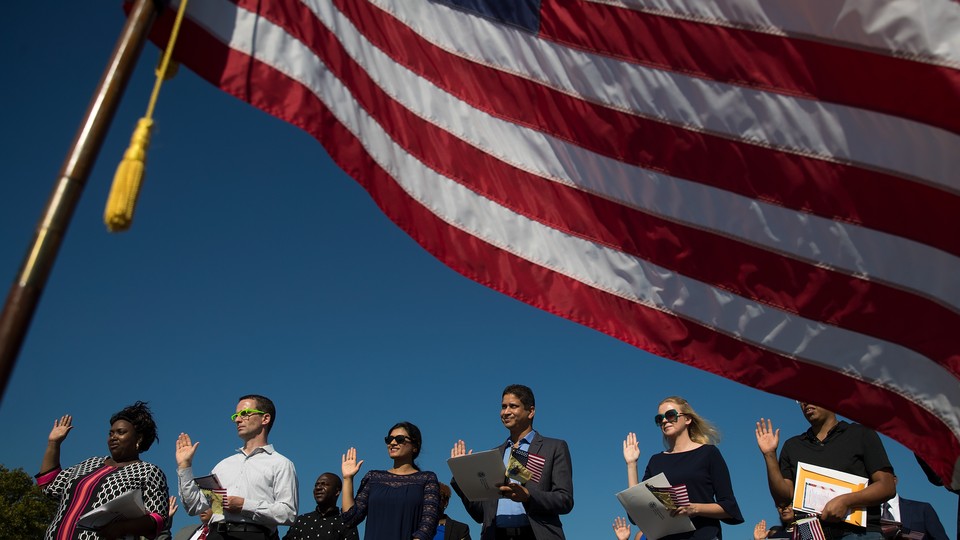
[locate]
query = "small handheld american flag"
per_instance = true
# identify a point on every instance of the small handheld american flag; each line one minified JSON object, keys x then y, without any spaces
{"x":525,"y":466}
{"x":672,"y":497}
{"x":808,"y":529}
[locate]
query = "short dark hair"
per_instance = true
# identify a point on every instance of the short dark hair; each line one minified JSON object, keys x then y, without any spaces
{"x":265,"y":405}
{"x":523,"y":393}
{"x":141,"y":419}
{"x":444,"y":496}
{"x":414,"y":432}
{"x":339,"y":481}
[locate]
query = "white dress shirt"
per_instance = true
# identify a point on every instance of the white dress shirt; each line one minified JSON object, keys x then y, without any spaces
{"x":894,"y":508}
{"x":265,"y":479}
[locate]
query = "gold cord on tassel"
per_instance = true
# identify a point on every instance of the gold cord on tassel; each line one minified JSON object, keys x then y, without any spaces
{"x":118,"y":214}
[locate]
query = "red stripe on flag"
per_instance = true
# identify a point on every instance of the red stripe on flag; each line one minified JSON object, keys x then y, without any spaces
{"x":829,"y":73}
{"x":831,"y":190}
{"x":532,"y":462}
{"x":675,"y":337}
{"x":535,"y":464}
{"x":798,"y":287}
{"x":679,"y":339}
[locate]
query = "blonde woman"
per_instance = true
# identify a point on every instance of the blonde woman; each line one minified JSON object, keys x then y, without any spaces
{"x":692,"y":459}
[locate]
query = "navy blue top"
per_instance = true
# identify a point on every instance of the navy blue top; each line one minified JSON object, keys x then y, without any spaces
{"x":707,"y":478}
{"x":396,"y":506}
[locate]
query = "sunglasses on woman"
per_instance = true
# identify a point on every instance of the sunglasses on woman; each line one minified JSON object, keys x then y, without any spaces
{"x":670,"y":415}
{"x":401,"y":439}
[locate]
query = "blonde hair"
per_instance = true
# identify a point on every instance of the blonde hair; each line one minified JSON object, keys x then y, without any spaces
{"x":700,"y":429}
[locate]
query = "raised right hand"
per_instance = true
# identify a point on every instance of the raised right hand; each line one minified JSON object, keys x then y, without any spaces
{"x":621,"y":528}
{"x":459,"y":449}
{"x":172,"y":509}
{"x":760,"y":531}
{"x":767,"y":438}
{"x":349,"y":465}
{"x":631,"y":448}
{"x":61,"y":427}
{"x":185,"y":451}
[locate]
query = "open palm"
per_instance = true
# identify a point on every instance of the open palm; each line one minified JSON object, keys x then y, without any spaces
{"x":61,"y":427}
{"x":349,"y":465}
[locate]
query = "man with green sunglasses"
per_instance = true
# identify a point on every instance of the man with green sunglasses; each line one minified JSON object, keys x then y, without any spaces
{"x":260,"y":483}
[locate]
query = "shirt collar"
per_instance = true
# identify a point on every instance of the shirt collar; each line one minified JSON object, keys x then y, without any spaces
{"x":526,"y":439}
{"x":331,"y":512}
{"x":811,"y":435}
{"x":268,"y":448}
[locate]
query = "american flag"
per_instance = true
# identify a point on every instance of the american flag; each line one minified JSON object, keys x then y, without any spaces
{"x":677,"y":495}
{"x":808,"y":529}
{"x":764,"y":190}
{"x":531,"y":462}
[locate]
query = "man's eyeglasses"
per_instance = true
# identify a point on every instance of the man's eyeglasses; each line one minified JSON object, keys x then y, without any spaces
{"x":401,"y":439}
{"x":245,"y":413}
{"x":670,"y":415}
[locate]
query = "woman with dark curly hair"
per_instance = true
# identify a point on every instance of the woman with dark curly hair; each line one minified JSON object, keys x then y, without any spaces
{"x":399,"y":504}
{"x":95,"y":481}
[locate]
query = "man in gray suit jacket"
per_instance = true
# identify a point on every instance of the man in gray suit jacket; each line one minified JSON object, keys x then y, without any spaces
{"x":531,"y":510}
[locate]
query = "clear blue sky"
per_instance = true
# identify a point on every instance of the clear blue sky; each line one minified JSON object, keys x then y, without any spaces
{"x":254,"y":265}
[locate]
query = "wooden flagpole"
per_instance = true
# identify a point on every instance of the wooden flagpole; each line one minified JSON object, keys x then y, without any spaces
{"x":28,"y":285}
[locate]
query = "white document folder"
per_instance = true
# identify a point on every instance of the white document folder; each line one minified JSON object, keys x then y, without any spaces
{"x":126,"y":506}
{"x":649,"y":513}
{"x":478,"y":474}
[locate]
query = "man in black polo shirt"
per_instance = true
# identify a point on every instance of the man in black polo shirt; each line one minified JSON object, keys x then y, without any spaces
{"x":850,"y":448}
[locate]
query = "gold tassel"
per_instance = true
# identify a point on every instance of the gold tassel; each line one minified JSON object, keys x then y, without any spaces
{"x":128,"y":179}
{"x":118,"y":215}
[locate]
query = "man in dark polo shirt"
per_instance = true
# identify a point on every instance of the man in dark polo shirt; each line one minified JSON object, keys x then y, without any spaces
{"x":838,"y":445}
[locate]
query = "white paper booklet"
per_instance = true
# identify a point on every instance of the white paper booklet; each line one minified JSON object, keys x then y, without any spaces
{"x":126,"y":506}
{"x":649,"y":513}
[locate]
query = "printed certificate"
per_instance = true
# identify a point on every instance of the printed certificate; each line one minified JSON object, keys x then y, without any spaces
{"x":815,"y":486}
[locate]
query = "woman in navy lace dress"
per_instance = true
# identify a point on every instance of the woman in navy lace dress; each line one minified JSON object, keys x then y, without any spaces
{"x":401,"y":503}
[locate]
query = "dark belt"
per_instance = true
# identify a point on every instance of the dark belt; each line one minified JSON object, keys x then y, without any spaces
{"x":520,"y":533}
